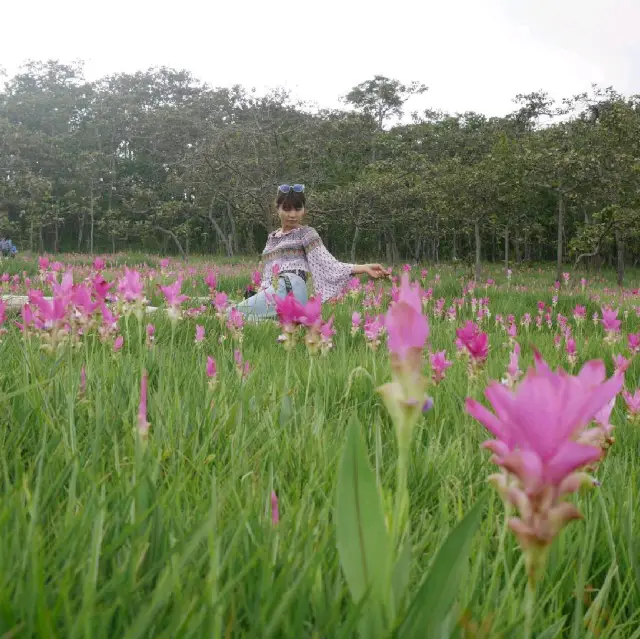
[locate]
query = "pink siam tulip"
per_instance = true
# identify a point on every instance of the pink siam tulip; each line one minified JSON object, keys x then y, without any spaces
{"x":256,"y":278}
{"x":199,"y":334}
{"x":476,"y":344}
{"x":174,"y":299}
{"x":243,"y":368}
{"x":275,"y":272}
{"x":536,"y":427}
{"x":572,"y":354}
{"x":579,"y":314}
{"x":356,"y":320}
{"x":221,"y":302}
{"x":408,"y":331}
{"x":611,"y":323}
{"x":130,"y":286}
{"x":373,"y":330}
{"x":633,"y":404}
{"x":633,"y":341}
{"x":151,"y":331}
{"x":290,"y":312}
{"x":143,"y":424}
{"x":211,"y":281}
{"x":43,"y":264}
{"x":235,"y":324}
{"x":118,"y":343}
{"x":566,"y":277}
{"x":98,"y":264}
{"x":212,"y":372}
{"x":439,"y":365}
{"x":513,"y":369}
{"x":621,"y":363}
{"x":583,"y":283}
{"x":327,"y":331}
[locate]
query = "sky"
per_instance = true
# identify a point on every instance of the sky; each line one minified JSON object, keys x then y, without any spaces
{"x":474,"y":55}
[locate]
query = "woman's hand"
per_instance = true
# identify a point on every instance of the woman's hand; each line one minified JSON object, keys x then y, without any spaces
{"x":372,"y":270}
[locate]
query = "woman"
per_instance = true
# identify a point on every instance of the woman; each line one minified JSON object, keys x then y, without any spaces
{"x":292,"y":253}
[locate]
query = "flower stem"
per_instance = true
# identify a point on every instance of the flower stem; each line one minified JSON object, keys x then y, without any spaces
{"x":306,"y":394}
{"x":529,"y":608}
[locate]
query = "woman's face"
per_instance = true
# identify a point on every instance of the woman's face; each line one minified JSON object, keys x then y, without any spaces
{"x":290,"y":217}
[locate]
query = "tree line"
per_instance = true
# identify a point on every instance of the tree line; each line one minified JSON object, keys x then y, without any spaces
{"x":159,"y":161}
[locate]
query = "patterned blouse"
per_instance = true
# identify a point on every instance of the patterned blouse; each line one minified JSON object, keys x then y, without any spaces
{"x":301,"y":249}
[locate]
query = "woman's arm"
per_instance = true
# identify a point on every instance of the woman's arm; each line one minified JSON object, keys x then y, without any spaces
{"x":372,"y":270}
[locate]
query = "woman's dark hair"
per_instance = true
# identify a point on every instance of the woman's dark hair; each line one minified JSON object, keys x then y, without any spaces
{"x":291,"y":200}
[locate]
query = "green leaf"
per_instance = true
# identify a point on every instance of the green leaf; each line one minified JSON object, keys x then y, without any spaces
{"x":401,"y":573}
{"x":361,"y":534}
{"x":554,"y":630}
{"x":436,"y":595}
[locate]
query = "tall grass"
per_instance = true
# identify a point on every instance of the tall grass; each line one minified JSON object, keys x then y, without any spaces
{"x":101,"y":536}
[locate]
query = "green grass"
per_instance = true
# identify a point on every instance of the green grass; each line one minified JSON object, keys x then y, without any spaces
{"x":102,"y":537}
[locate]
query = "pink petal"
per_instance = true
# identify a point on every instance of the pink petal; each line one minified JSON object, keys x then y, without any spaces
{"x":570,"y":457}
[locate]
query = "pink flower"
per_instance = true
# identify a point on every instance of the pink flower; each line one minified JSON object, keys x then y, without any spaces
{"x":3,"y":312}
{"x":117,"y":344}
{"x":356,"y":320}
{"x":289,"y":310}
{"x":256,"y":278}
{"x":143,"y":424}
{"x":98,"y":264}
{"x":211,"y":281}
{"x":439,"y":365}
{"x":164,"y":263}
{"x":220,"y":301}
{"x":513,"y":369}
{"x":212,"y":369}
{"x":536,"y":427}
{"x":610,"y":320}
{"x":199,"y":333}
{"x":406,"y":268}
{"x":620,"y":363}
{"x":243,"y":368}
{"x":474,"y":341}
{"x":634,"y":343}
{"x":275,"y":513}
{"x":579,"y":313}
{"x":130,"y":286}
{"x":43,"y":263}
{"x":173,"y":297}
{"x":633,"y":402}
{"x":407,"y":327}
{"x":311,"y":313}
{"x":373,"y":327}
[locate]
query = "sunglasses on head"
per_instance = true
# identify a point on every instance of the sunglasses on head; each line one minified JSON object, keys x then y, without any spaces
{"x":286,"y":188}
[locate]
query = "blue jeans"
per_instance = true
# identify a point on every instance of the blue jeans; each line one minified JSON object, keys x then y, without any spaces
{"x":257,"y":306}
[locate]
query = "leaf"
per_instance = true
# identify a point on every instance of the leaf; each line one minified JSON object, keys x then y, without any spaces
{"x":401,"y":573}
{"x":438,"y":591}
{"x":361,"y":534}
{"x":554,"y":630}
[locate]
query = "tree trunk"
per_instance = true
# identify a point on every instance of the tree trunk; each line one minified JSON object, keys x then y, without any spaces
{"x":354,"y":243}
{"x":220,"y":233}
{"x":506,"y":247}
{"x":476,"y":228}
{"x":92,"y":220}
{"x":454,"y":248}
{"x":175,"y":239}
{"x":620,"y":251}
{"x":31,"y":238}
{"x":417,"y":249}
{"x":56,"y":236}
{"x":81,"y":229}
{"x":559,"y":246}
{"x":232,"y":222}
{"x":516,"y":246}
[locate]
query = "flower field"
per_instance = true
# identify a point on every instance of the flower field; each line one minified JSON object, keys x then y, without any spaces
{"x":428,"y":457}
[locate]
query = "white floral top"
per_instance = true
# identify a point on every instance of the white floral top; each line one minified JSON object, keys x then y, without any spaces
{"x":301,"y":249}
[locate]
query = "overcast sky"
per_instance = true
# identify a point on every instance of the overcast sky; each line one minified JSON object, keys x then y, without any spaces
{"x":472,"y":54}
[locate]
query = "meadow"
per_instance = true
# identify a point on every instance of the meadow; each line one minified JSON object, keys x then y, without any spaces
{"x":179,"y":474}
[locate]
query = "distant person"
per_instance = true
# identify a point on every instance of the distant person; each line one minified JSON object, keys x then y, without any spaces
{"x":7,"y":248}
{"x":292,"y":253}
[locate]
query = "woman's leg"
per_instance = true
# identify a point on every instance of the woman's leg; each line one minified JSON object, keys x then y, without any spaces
{"x":261,"y":305}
